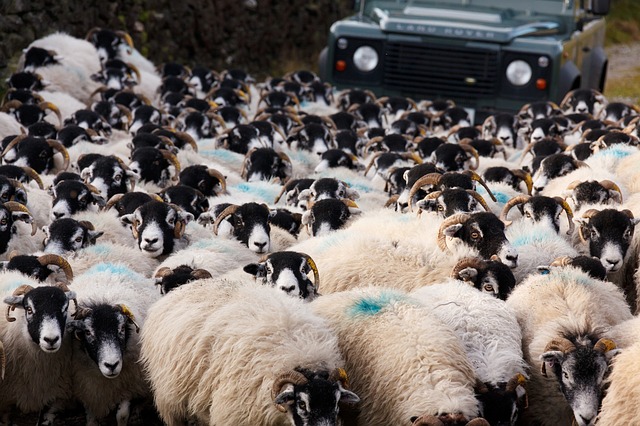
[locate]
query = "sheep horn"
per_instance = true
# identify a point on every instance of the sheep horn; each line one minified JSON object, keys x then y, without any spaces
{"x":590,"y":213}
{"x":201,"y":274}
{"x":515,"y":381}
{"x":112,"y":201}
{"x":54,"y":259}
{"x":162,"y":272}
{"x":428,"y":179}
{"x":451,"y":220}
{"x":478,"y":198}
{"x":216,"y":174}
{"x":14,"y":104}
{"x":480,"y":387}
{"x":127,"y":112}
{"x":467,"y":262}
{"x":127,"y":312}
{"x":91,"y":32}
{"x":427,"y":420}
{"x":290,"y":377}
{"x":604,"y":345}
{"x":62,"y":150}
{"x":15,"y":141}
{"x":135,"y":70}
{"x":577,"y":164}
{"x":87,"y":225}
{"x":525,"y":152}
{"x":628,"y":212}
{"x":373,"y":158}
{"x":82,"y":313}
{"x":285,"y":188}
{"x":48,"y":105}
{"x":525,"y":177}
{"x":187,"y":139}
{"x":14,"y":206}
{"x":392,"y":200}
{"x":371,"y":142}
{"x":567,"y":209}
{"x":611,"y":186}
{"x":132,"y":180}
{"x":243,"y":172}
{"x":126,"y":37}
{"x":33,"y":175}
{"x":566,"y":99}
{"x":223,"y":214}
{"x":561,"y":261}
{"x":3,"y":361}
{"x":474,"y":176}
{"x":471,"y":150}
{"x":23,"y":289}
{"x":518,"y":199}
{"x":314,"y":268}
{"x":173,"y":160}
{"x":561,"y":344}
{"x":12,"y":254}
{"x":573,"y":185}
{"x":411,"y":156}
{"x":478,"y":421}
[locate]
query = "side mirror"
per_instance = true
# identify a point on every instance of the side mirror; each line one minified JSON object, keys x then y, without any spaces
{"x":600,"y":7}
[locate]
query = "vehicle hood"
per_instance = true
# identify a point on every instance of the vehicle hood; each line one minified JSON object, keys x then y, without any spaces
{"x":500,"y":27}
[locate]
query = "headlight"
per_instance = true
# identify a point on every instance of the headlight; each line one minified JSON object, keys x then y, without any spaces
{"x":519,"y":73}
{"x":365,"y":58}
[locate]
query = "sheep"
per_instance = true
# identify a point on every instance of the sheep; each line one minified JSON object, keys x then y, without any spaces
{"x":491,"y":277}
{"x":492,"y":339}
{"x":254,"y":326}
{"x":112,"y":306}
{"x":38,"y":352}
{"x":565,"y":316}
{"x":403,"y":361}
{"x":169,"y":279}
{"x":11,"y":213}
{"x":41,"y":268}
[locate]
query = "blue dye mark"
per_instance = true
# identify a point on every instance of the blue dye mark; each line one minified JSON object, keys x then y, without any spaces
{"x":537,"y":236}
{"x":113,"y":268}
{"x":372,"y":305}
{"x":100,"y":249}
{"x":501,"y":197}
{"x":618,"y":152}
{"x":10,"y":286}
{"x":223,"y":155}
{"x":258,"y":189}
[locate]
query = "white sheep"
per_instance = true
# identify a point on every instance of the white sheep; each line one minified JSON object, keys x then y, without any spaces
{"x":491,"y":337}
{"x":402,"y":360}
{"x":97,"y":386}
{"x":228,"y":343}
{"x":565,"y":316}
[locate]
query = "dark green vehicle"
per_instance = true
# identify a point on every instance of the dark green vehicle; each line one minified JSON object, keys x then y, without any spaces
{"x":487,"y":55}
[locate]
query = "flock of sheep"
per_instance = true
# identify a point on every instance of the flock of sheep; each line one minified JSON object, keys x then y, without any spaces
{"x":280,"y":253}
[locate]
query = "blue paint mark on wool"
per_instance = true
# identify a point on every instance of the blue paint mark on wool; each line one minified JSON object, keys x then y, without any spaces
{"x":616,"y":151}
{"x":113,"y":268}
{"x":223,"y":155}
{"x":10,"y":285}
{"x":372,"y":305}
{"x":537,"y":235}
{"x":501,"y":197}
{"x":100,"y":249}
{"x":266,"y":194}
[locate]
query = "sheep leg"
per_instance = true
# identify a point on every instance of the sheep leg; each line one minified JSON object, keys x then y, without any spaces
{"x":122,"y":415}
{"x":48,"y":415}
{"x":91,"y":418}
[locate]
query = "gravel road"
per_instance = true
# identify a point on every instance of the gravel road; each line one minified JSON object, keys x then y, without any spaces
{"x":623,"y":63}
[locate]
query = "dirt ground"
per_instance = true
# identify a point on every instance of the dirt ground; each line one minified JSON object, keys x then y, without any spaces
{"x":623,"y":64}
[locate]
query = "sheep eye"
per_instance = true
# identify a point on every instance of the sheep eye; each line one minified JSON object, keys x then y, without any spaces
{"x":475,"y":235}
{"x":565,"y":375}
{"x":527,"y":214}
{"x":79,"y":239}
{"x":302,"y":405}
{"x":5,"y":196}
{"x":488,"y":287}
{"x":441,"y":209}
{"x":3,"y":222}
{"x":88,"y":333}
{"x":29,"y":310}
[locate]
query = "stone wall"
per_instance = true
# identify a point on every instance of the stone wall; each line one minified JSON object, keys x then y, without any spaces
{"x":261,"y":36}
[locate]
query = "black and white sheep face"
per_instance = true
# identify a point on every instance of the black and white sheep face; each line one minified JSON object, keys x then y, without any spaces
{"x":68,"y":235}
{"x":542,"y":128}
{"x":551,"y":167}
{"x":12,"y":191}
{"x":45,"y":312}
{"x":314,"y":137}
{"x":71,"y":197}
{"x":451,"y":157}
{"x":36,"y":57}
{"x":144,"y":114}
{"x":287,"y":272}
{"x":156,"y":225}
{"x":583,"y":101}
{"x":264,"y":164}
{"x":580,"y":373}
{"x":251,"y":227}
{"x":337,"y":158}
{"x":153,"y":165}
{"x":328,"y":188}
{"x":104,"y":332}
{"x":450,"y":202}
{"x":609,"y":234}
{"x":32,"y":152}
{"x":502,"y":127}
{"x":108,"y":176}
{"x":326,"y":216}
{"x":189,"y":199}
{"x":8,"y":220}
{"x":500,"y":405}
{"x":592,"y":192}
{"x":542,"y":210}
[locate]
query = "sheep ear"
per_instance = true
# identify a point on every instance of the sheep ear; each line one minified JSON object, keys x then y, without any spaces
{"x":186,"y":216}
{"x":86,"y":174}
{"x":304,"y":195}
{"x":286,"y":397}
{"x":346,"y":396}
{"x":94,"y":235}
{"x":549,"y":359}
{"x":468,"y":274}
{"x":255,"y":269}
{"x":451,"y":231}
{"x":14,"y":301}
{"x":126,"y":219}
{"x":307,"y":218}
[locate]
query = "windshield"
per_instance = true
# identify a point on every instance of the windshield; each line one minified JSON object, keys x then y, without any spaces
{"x":547,"y":7}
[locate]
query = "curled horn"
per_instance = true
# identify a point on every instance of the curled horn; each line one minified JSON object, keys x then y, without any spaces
{"x":372,"y":142}
{"x":474,"y":176}
{"x":127,"y":312}
{"x":561,"y":344}
{"x":478,"y":421}
{"x":126,"y":37}
{"x":515,"y":381}
{"x":127,"y":113}
{"x":290,"y":377}
{"x":186,"y":138}
{"x":101,"y":89}
{"x":565,"y":206}
{"x":373,"y":159}
{"x":54,"y":259}
{"x":451,"y":220}
{"x":91,"y":32}
{"x":411,"y":156}
{"x":314,"y":268}
{"x":14,"y":206}
{"x":223,"y":214}
{"x":519,"y":199}
{"x":467,"y":262}
{"x":471,"y":150}
{"x":132,"y":180}
{"x":392,"y":200}
{"x":3,"y":361}
{"x":525,"y":152}
{"x":15,"y":141}
{"x":586,"y":215}
{"x":427,"y":420}
{"x":573,"y":185}
{"x":216,"y":174}
{"x":478,"y":198}
{"x":201,"y":274}
{"x":173,"y":160}
{"x":48,"y":105}
{"x":525,"y":177}
{"x":162,"y":272}
{"x":481,"y":387}
{"x":285,"y":188}
{"x":243,"y":172}
{"x":629,"y":213}
{"x":62,"y":150}
{"x":135,"y":70}
{"x":577,"y":164}
{"x":23,"y":289}
{"x":566,"y":98}
{"x":112,"y":201}
{"x":561,"y":261}
{"x":33,"y":175}
{"x":428,"y":179}
{"x":82,"y":313}
{"x":604,"y":345}
{"x":611,"y":186}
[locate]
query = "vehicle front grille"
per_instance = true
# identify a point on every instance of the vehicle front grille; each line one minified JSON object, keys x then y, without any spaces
{"x":434,"y":71}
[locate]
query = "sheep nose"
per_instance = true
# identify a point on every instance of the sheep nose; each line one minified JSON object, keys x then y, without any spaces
{"x":512,"y":258}
{"x":112,"y":366}
{"x":261,"y":246}
{"x":58,"y":215}
{"x":51,"y":340}
{"x":612,"y":262}
{"x":150,"y":240}
{"x":504,"y":138}
{"x":582,"y":111}
{"x":538,"y":188}
{"x":319,"y":153}
{"x":586,"y":420}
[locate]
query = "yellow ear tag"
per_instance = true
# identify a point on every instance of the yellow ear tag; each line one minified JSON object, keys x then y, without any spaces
{"x":521,"y":379}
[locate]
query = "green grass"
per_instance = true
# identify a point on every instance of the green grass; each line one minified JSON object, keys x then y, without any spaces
{"x":623,"y":22}
{"x":627,"y":86}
